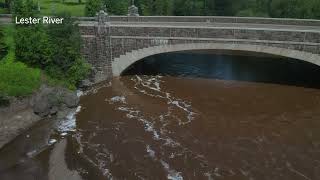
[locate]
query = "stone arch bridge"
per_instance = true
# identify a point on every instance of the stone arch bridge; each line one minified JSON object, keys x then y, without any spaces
{"x":113,"y":43}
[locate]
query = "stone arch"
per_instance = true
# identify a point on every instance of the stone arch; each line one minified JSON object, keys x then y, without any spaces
{"x":120,"y":64}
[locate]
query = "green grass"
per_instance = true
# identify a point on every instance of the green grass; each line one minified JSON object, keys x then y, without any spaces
{"x":47,"y":6}
{"x":3,"y":10}
{"x":70,"y":6}
{"x":16,"y":79}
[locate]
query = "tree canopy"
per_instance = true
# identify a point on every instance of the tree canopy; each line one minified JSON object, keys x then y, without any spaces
{"x":53,"y":48}
{"x":260,"y":8}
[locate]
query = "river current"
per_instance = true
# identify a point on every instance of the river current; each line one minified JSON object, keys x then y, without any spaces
{"x":184,"y":116}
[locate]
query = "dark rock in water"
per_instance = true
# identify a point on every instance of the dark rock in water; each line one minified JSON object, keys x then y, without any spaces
{"x":49,"y":100}
{"x":85,"y":83}
{"x":41,"y":102}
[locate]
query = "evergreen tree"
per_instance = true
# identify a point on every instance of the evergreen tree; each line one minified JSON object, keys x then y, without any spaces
{"x":23,"y":8}
{"x":32,"y":46}
{"x":31,"y":41}
{"x":66,"y":61}
{"x":209,"y":7}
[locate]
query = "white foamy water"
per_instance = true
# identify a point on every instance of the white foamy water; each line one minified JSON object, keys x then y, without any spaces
{"x":151,"y":152}
{"x":116,"y":99}
{"x":172,"y":174}
{"x":69,"y":123}
{"x":80,"y":93}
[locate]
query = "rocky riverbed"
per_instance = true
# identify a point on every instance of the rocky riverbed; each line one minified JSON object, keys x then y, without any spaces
{"x":23,"y":113}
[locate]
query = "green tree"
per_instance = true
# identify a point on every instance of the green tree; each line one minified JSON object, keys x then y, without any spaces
{"x":23,"y":8}
{"x":291,"y":8}
{"x":117,"y":7}
{"x":208,"y":7}
{"x":66,"y":61}
{"x":93,"y":6}
{"x":223,"y":7}
{"x":32,"y":46}
{"x":315,"y":9}
{"x":31,"y":41}
{"x":7,"y":3}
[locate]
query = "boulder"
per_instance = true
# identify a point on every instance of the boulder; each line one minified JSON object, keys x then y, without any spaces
{"x":69,"y":98}
{"x":49,"y":100}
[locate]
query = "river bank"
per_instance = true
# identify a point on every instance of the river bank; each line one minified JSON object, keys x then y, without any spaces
{"x":23,"y":113}
{"x":15,"y":119}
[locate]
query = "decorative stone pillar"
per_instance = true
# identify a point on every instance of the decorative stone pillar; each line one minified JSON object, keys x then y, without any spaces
{"x":102,"y":17}
{"x":133,"y":10}
{"x":103,"y":69}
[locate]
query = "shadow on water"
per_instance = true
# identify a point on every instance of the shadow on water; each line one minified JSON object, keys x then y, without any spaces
{"x":239,"y":66}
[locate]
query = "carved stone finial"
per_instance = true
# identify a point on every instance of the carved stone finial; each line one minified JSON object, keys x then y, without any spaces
{"x":133,"y":10}
{"x":102,"y":17}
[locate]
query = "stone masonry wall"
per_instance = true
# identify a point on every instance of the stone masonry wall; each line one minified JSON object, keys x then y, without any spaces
{"x":126,"y":39}
{"x":101,"y":45}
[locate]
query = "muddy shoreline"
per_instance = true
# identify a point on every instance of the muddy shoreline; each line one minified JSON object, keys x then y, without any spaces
{"x":16,"y":119}
{"x":23,"y":113}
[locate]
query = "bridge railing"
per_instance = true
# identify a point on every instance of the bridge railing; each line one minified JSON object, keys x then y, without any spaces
{"x":204,"y":19}
{"x":218,"y":19}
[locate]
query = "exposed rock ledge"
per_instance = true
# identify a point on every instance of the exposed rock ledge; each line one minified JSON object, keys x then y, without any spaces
{"x":23,"y":113}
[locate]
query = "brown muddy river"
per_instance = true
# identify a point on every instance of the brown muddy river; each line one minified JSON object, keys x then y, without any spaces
{"x":197,"y":120}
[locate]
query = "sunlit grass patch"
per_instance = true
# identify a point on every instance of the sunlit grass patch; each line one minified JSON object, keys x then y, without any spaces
{"x":49,"y":7}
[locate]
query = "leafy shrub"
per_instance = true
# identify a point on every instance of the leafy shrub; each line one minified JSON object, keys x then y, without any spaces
{"x":78,"y":71}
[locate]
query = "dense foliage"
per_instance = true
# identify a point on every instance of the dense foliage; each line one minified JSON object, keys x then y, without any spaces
{"x":264,"y":8}
{"x":33,"y":54}
{"x":23,"y":8}
{"x":3,"y":46}
{"x":66,"y":61}
{"x":92,"y":7}
{"x":54,"y":48}
{"x":32,"y":46}
{"x":16,"y":78}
